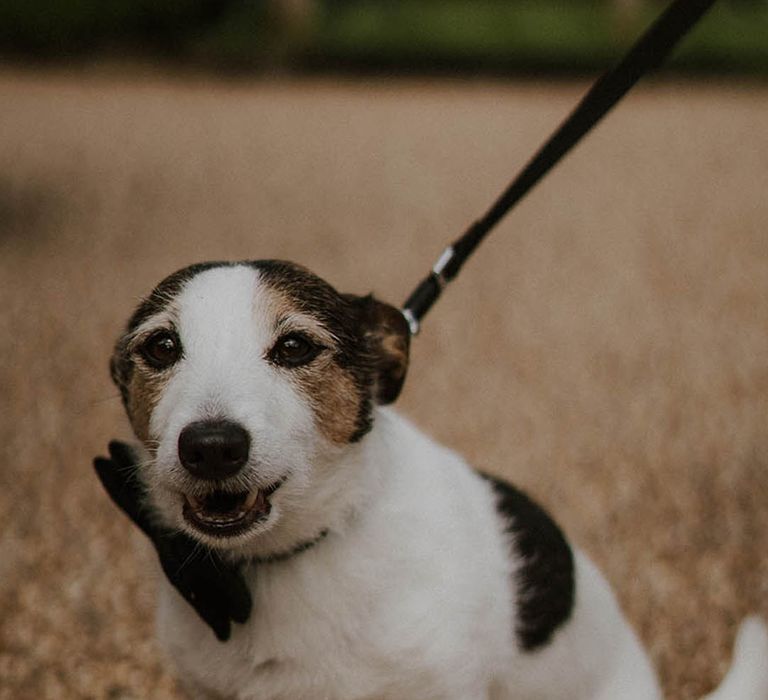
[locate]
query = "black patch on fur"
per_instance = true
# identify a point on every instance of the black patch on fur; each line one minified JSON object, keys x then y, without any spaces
{"x":167,"y":290}
{"x":545,"y":580}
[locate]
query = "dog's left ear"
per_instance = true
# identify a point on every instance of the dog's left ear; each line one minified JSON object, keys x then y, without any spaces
{"x":388,"y":338}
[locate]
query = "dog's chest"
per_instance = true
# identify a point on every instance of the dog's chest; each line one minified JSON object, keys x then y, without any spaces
{"x":343,"y":632}
{"x":413,"y":600}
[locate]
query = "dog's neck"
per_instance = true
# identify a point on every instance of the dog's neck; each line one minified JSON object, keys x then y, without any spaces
{"x":301,"y":547}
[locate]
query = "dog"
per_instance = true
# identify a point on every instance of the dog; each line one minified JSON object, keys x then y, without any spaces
{"x":381,"y":566}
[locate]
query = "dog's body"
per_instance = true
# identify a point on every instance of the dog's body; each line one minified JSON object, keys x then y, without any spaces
{"x":412,"y":595}
{"x":381,"y":566}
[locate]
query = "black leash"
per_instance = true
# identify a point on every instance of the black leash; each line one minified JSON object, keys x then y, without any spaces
{"x":646,"y":55}
{"x":215,"y":587}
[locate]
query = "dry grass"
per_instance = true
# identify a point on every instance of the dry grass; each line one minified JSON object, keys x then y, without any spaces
{"x":607,"y":349}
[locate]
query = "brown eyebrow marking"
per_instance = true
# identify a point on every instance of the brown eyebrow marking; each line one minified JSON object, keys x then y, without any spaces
{"x":334,"y":385}
{"x":330,"y":390}
{"x":300,"y":323}
{"x":141,"y":391}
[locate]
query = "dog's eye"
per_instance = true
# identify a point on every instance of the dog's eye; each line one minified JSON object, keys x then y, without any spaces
{"x":294,"y":350}
{"x":161,"y":349}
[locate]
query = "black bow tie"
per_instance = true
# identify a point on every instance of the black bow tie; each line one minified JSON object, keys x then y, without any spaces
{"x":213,"y":586}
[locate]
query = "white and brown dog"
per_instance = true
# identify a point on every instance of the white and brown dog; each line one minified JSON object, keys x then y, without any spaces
{"x":388,"y":569}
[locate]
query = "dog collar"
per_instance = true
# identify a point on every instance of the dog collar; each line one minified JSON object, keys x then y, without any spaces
{"x":298,"y":549}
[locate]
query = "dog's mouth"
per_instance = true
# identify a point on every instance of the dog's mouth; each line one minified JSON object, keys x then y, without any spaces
{"x":226,"y":514}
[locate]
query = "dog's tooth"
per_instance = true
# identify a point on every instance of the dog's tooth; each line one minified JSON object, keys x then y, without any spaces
{"x":251,"y":500}
{"x":194,"y":502}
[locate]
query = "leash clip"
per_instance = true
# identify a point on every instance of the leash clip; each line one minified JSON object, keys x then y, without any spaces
{"x":428,"y":291}
{"x":412,"y":321}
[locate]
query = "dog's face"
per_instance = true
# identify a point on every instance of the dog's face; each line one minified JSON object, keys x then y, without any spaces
{"x":240,"y":379}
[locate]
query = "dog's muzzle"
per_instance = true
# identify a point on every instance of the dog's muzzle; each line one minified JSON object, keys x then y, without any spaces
{"x":214,"y":451}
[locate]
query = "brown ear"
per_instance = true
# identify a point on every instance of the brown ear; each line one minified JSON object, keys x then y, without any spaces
{"x":388,"y":338}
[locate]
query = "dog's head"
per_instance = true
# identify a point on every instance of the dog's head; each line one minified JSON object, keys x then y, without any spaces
{"x":241,"y":380}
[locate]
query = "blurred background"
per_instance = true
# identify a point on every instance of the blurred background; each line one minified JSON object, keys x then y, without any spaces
{"x":447,"y":36}
{"x":606,"y":349}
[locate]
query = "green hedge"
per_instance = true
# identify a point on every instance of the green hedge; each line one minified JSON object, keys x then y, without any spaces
{"x":502,"y":36}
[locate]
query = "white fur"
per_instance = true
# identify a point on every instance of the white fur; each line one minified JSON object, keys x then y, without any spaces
{"x":410,"y":596}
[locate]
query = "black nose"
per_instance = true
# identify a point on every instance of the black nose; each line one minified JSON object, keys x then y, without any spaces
{"x":213,"y":449}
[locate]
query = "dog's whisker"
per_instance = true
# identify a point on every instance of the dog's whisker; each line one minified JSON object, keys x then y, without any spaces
{"x":198,"y":546}
{"x":93,"y":403}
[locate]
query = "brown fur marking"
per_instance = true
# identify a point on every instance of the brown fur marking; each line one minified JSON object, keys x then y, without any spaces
{"x":334,"y":397}
{"x":144,"y":394}
{"x":330,"y":390}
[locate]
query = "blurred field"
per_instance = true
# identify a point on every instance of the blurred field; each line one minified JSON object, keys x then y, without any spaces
{"x":607,"y":349}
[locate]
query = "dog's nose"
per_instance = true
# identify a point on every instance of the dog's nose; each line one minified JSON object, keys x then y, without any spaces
{"x":214,"y":449}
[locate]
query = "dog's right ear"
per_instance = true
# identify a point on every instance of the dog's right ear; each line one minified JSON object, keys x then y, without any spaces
{"x":388,"y":338}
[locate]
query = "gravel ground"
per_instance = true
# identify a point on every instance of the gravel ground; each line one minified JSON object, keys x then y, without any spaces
{"x":607,"y":349}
